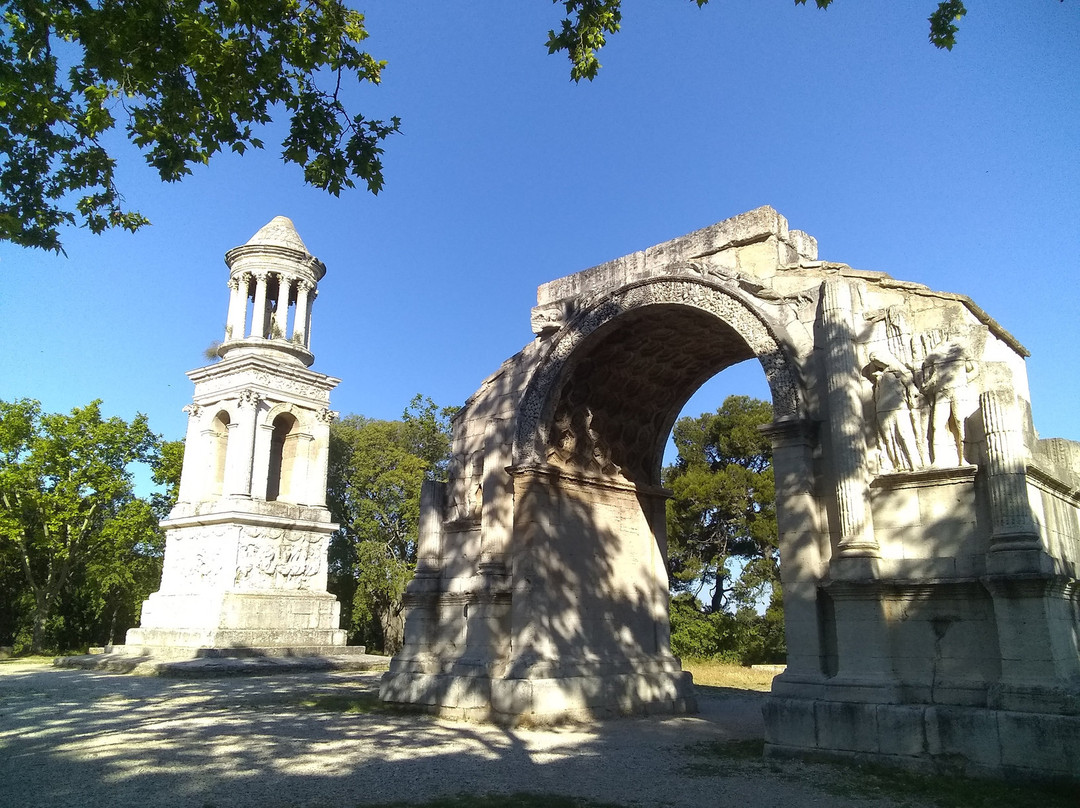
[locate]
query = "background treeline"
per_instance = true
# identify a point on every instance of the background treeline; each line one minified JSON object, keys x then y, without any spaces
{"x":79,"y":551}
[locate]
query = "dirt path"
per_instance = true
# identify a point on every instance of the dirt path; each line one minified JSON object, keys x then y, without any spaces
{"x":84,"y":738}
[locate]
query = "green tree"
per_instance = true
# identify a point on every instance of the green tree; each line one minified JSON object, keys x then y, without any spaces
{"x":723,"y":507}
{"x":66,"y":500}
{"x":165,"y":472}
{"x":588,"y":23}
{"x":376,"y":471}
{"x":186,"y":80}
{"x":722,"y":536}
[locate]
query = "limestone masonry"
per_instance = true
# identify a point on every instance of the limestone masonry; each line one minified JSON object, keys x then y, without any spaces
{"x":246,"y":544}
{"x":929,"y":538}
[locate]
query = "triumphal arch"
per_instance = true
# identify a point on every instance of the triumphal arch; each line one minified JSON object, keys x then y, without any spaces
{"x":928,"y":537}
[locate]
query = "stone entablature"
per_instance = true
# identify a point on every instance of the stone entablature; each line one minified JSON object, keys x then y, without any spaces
{"x":929,"y":539}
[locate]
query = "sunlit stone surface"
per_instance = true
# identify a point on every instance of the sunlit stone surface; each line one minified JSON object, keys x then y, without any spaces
{"x":928,"y":537}
{"x":246,"y":544}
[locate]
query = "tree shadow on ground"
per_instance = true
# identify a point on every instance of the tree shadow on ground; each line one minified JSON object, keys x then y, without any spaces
{"x":321,"y":739}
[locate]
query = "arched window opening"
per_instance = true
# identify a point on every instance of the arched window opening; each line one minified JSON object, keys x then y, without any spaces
{"x":219,"y":444}
{"x":282,"y":458}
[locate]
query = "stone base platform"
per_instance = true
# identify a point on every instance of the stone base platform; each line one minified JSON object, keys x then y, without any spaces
{"x":209,"y":662}
{"x":540,"y":701}
{"x":976,"y":741}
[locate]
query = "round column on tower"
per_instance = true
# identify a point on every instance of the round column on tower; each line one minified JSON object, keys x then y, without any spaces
{"x":273,"y":281}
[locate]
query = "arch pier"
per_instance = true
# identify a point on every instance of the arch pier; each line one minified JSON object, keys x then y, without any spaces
{"x":928,"y":537}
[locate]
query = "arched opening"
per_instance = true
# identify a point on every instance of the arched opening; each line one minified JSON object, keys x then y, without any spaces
{"x":620,"y":394}
{"x":572,"y":534}
{"x":282,"y":458}
{"x":589,"y":444}
{"x":626,"y":384}
{"x":722,"y":529}
{"x":217,"y":450}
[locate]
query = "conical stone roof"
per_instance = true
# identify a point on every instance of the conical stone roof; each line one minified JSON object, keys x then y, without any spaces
{"x":278,"y":232}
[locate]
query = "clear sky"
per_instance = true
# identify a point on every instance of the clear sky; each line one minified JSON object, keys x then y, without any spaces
{"x":958,"y":170}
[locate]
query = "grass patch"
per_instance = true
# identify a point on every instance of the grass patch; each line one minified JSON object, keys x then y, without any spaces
{"x":502,"y":801}
{"x":29,"y":659}
{"x":352,"y":703}
{"x":712,"y":673}
{"x":850,"y":779}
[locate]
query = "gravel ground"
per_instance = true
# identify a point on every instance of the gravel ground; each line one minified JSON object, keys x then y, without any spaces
{"x":88,"y":739}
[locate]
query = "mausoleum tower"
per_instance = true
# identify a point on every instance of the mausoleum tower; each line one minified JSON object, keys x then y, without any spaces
{"x":246,"y":545}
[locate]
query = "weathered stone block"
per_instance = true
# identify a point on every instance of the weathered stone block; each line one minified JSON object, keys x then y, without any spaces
{"x":847,"y":726}
{"x":964,"y":734}
{"x":790,"y":722}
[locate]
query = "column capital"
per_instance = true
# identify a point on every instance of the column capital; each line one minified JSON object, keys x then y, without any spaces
{"x":193,"y":410}
{"x":249,"y":398}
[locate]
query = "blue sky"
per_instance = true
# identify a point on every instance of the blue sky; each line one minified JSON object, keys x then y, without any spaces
{"x":959,"y":170}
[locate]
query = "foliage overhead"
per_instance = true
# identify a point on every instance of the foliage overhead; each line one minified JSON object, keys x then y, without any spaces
{"x":186,"y":80}
{"x":588,"y":23}
{"x":67,"y":509}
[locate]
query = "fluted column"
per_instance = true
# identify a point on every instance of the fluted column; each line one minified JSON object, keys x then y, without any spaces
{"x":312,"y":294}
{"x":231,"y":331}
{"x":258,"y":315}
{"x":1011,"y":518}
{"x":281,"y":314}
{"x":429,"y":541}
{"x":318,"y":474}
{"x":241,"y":447}
{"x":192,"y":482}
{"x":848,"y":439}
{"x":300,"y":319}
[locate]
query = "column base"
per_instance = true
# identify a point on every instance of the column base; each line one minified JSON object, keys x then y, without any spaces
{"x":945,"y":739}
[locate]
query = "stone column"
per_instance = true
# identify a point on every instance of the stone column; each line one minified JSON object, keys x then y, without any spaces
{"x":846,"y":425}
{"x":240,"y":453}
{"x":317,"y":477}
{"x":260,"y":462}
{"x":429,"y":542}
{"x":1011,"y":518}
{"x":193,"y":472}
{"x":281,"y":315}
{"x":303,"y":307}
{"x":803,"y":545}
{"x":236,"y":304}
{"x":258,"y":316}
{"x":312,"y":294}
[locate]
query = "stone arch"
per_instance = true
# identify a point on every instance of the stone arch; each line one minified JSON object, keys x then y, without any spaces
{"x":619,"y":342}
{"x":217,"y":450}
{"x":284,"y":457}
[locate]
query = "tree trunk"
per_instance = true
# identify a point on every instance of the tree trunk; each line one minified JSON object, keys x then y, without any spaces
{"x":392,"y":621}
{"x":41,"y":616}
{"x":112,"y":626}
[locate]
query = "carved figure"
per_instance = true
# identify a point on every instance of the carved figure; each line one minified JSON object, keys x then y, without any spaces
{"x":947,"y":375}
{"x":897,"y":403}
{"x":601,"y":454}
